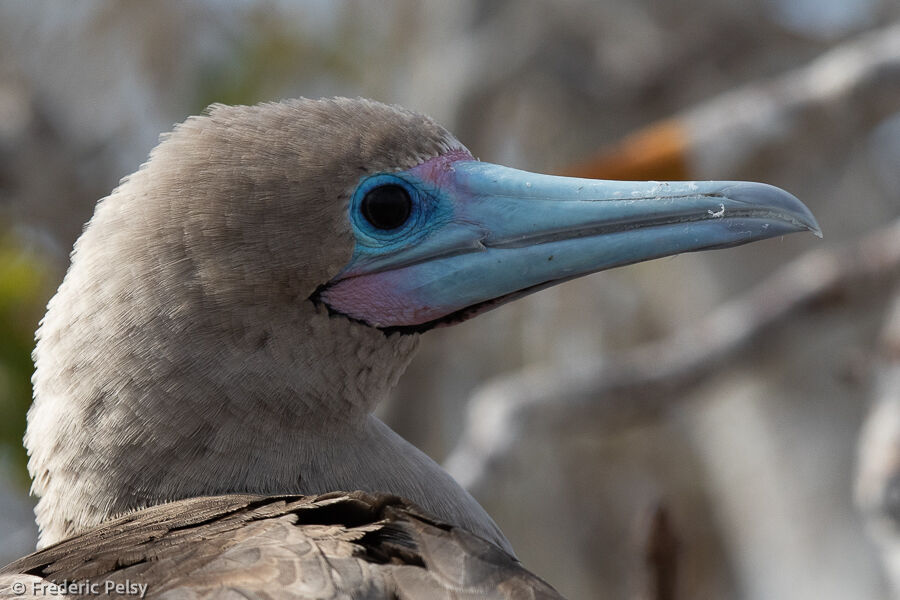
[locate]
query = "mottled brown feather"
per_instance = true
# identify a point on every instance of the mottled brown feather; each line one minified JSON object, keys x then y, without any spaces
{"x":336,"y":545}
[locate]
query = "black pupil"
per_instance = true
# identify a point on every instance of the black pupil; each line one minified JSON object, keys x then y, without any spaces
{"x":387,"y":206}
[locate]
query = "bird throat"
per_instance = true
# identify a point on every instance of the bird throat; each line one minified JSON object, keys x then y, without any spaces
{"x":174,"y":409}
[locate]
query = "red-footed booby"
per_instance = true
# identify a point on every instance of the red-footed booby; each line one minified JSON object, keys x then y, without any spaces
{"x":235,"y":310}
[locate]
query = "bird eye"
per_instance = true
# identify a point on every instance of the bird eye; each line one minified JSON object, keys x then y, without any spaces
{"x":386,"y":206}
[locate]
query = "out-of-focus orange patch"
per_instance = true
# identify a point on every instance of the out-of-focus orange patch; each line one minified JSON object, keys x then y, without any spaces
{"x":656,"y":152}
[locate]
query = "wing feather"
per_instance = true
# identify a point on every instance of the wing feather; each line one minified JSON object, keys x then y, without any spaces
{"x":328,"y":547}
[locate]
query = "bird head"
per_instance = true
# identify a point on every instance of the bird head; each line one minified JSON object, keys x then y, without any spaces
{"x":383,"y":217}
{"x":452,"y":237}
{"x":265,"y":227}
{"x":239,"y":305}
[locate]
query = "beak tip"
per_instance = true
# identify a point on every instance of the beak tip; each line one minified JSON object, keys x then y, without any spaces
{"x":789,"y":206}
{"x":811,"y":224}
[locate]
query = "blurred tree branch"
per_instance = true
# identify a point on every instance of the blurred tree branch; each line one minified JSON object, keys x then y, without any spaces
{"x":613,"y":393}
{"x":846,"y":90}
{"x":877,"y":484}
{"x":660,"y":555}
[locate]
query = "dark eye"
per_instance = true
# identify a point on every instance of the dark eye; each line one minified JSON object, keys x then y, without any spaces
{"x":386,"y":206}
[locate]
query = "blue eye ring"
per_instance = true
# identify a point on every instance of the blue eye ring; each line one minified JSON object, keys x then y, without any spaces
{"x":396,"y":220}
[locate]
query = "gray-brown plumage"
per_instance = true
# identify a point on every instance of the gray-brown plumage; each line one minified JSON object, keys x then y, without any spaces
{"x":316,"y":547}
{"x":237,"y":308}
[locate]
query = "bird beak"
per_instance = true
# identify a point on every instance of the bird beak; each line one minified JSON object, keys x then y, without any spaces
{"x":504,"y":233}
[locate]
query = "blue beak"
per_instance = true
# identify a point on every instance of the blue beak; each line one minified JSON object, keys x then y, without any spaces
{"x":485,"y":234}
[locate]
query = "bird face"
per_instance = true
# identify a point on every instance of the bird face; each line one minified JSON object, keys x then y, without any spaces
{"x":382,"y":216}
{"x":453,"y":237}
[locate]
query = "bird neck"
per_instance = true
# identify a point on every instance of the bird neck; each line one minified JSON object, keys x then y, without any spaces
{"x":286,"y":410}
{"x":143,"y":397}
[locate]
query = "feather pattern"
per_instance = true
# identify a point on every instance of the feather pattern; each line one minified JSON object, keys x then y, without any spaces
{"x":330,"y":546}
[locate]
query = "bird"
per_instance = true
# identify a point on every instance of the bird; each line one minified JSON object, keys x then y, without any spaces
{"x":235,"y":310}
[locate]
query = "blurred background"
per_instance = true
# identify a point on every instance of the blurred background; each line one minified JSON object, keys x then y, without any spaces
{"x":684,"y":428}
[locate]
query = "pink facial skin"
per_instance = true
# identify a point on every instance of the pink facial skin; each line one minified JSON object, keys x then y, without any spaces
{"x":381,"y":300}
{"x":439,"y":169}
